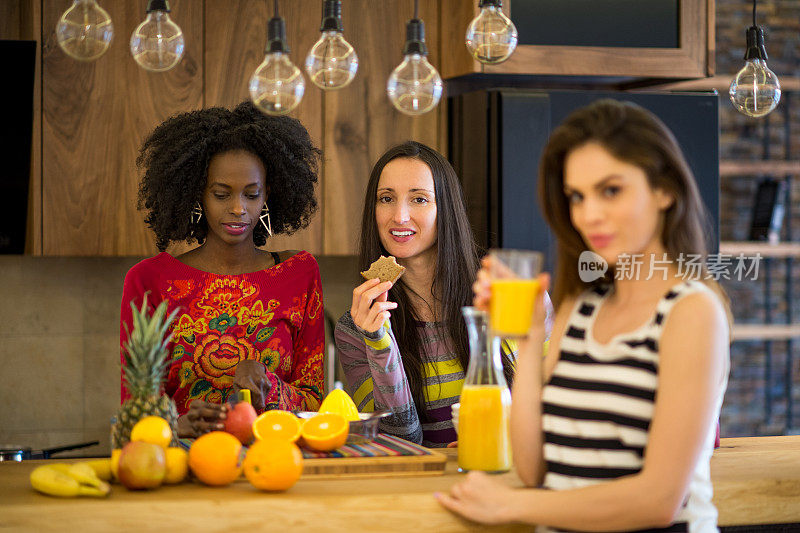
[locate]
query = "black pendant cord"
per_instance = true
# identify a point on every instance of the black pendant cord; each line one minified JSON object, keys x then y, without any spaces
{"x":754,"y":12}
{"x":416,"y":9}
{"x":276,"y":9}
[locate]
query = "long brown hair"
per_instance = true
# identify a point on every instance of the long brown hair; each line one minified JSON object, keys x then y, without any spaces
{"x":457,"y":262}
{"x":634,"y":135}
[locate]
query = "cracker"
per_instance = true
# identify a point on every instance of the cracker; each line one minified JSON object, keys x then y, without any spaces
{"x":385,"y":269}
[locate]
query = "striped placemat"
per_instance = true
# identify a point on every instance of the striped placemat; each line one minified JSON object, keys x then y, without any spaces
{"x":383,"y":446}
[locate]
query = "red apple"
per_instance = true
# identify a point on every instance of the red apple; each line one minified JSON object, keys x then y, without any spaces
{"x":239,"y":422}
{"x":142,"y":465}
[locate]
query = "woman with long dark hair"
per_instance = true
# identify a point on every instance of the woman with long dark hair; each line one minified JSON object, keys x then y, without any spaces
{"x":403,"y":347}
{"x":618,"y":425}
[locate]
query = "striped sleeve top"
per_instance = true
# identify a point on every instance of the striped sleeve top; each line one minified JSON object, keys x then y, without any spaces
{"x":598,"y":405}
{"x":377,"y":380}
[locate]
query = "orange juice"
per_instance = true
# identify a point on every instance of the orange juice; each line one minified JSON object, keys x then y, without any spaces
{"x":484,"y":441}
{"x":511,"y":306}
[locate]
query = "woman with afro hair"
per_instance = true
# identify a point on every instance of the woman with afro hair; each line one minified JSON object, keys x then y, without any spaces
{"x":247,"y":318}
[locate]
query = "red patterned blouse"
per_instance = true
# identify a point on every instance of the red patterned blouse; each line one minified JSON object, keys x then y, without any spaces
{"x":273,"y":316}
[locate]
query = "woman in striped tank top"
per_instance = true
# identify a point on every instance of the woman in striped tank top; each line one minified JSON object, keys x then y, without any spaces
{"x":614,"y":432}
{"x":404,"y":347}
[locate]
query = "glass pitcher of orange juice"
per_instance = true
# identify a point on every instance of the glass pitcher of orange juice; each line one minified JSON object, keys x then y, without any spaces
{"x":484,"y":441}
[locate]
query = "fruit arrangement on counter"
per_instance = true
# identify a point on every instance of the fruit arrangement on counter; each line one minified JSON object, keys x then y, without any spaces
{"x":147,"y":453}
{"x":264,"y":448}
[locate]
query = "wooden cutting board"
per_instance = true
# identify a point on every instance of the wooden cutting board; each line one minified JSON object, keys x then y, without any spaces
{"x":386,"y":456}
{"x":362,"y":467}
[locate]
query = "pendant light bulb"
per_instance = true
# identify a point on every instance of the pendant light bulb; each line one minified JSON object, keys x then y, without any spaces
{"x":415,"y":86}
{"x":84,"y":31}
{"x":277,"y":85}
{"x":755,"y":91}
{"x":332,"y":62}
{"x":491,"y":36}
{"x":157,"y":43}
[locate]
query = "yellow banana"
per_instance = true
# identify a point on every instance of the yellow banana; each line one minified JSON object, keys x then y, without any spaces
{"x":54,"y":481}
{"x":101,"y":467}
{"x":61,"y":467}
{"x":84,"y":474}
{"x":81,"y":472}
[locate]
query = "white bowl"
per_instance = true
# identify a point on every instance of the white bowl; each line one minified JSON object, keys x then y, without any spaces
{"x":454,"y":411}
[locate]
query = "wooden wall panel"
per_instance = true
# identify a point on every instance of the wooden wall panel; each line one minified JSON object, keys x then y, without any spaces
{"x":235,"y":42}
{"x":360,"y":122}
{"x":11,"y":19}
{"x":95,"y":116}
{"x":30,"y":28}
{"x":458,"y":14}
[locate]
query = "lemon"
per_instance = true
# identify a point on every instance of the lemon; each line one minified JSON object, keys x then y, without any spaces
{"x":177,"y":465}
{"x":339,"y":402}
{"x":101,"y":467}
{"x":152,"y":429}
{"x":115,"y":453}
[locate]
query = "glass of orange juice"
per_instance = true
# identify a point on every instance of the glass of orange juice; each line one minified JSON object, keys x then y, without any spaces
{"x":514,"y":289}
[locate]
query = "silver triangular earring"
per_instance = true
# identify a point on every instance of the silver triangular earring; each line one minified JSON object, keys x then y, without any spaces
{"x":265,"y":214}
{"x":197,"y":213}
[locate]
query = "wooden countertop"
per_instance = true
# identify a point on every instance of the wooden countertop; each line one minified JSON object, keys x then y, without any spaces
{"x":756,"y":481}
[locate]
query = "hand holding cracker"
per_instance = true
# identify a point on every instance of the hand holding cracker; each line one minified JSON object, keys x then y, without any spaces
{"x":370,"y":308}
{"x":385,"y":269}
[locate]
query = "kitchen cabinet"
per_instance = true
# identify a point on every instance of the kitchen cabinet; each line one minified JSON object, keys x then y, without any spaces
{"x":682,"y":47}
{"x":90,"y":118}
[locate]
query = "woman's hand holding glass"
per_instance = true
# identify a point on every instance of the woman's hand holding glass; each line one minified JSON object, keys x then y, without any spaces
{"x":482,"y":288}
{"x":370,"y":308}
{"x":479,"y":498}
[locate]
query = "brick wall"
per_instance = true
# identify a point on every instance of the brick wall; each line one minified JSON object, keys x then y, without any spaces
{"x":746,"y":410}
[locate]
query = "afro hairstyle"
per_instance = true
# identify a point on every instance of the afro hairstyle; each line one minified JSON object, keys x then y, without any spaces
{"x":176,"y":155}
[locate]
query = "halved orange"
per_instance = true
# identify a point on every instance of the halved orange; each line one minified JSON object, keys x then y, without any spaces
{"x":277,"y":424}
{"x":325,"y":431}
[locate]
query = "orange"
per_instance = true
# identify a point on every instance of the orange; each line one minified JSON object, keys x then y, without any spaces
{"x":273,"y":464}
{"x":177,"y":465}
{"x":325,"y":432}
{"x":277,"y":424}
{"x":216,"y":458}
{"x":152,"y":429}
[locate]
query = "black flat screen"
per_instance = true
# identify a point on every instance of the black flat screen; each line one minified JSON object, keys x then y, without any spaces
{"x":612,"y":23}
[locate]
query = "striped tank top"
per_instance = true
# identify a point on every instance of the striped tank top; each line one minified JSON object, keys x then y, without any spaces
{"x":599,"y":401}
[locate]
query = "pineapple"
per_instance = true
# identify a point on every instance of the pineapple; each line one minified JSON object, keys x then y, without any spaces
{"x":146,"y":361}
